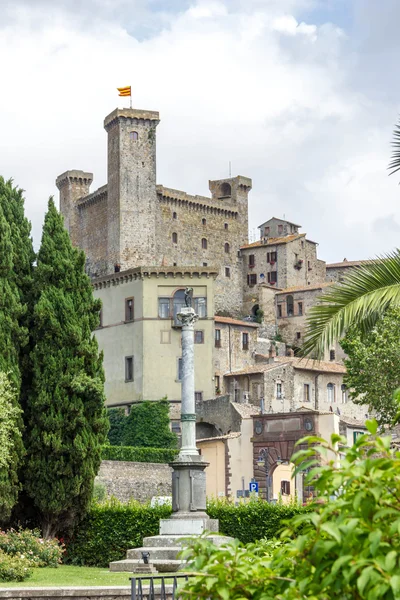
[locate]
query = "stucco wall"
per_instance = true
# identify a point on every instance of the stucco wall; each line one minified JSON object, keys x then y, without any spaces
{"x":213,"y":452}
{"x":241,"y":458}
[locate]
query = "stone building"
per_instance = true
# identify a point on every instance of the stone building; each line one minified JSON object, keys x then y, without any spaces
{"x":133,"y":222}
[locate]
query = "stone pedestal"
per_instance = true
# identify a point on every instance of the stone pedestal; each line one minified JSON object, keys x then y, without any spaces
{"x":189,"y":517}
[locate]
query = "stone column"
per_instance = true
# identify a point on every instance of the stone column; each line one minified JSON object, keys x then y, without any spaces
{"x":188,"y":415}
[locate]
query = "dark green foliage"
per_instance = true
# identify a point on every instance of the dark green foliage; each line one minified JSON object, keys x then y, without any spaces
{"x":373,"y":365}
{"x":12,"y":337}
{"x":148,"y":426}
{"x":65,"y":419}
{"x":252,"y":521}
{"x":117,"y":419}
{"x":132,"y":454}
{"x":110,"y":529}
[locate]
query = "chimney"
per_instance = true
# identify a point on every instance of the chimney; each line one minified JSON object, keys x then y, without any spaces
{"x":272,"y":353}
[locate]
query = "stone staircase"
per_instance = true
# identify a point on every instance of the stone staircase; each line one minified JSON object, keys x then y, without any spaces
{"x":163,"y":550}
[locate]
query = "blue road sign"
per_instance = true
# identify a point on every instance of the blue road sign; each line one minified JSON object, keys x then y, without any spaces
{"x":253,"y":486}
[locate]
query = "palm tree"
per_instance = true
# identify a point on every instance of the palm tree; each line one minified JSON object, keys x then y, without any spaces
{"x":365,"y":294}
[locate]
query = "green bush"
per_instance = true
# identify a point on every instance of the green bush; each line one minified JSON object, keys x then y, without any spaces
{"x":29,"y":543}
{"x":253,"y":520}
{"x":148,"y":426}
{"x":110,"y":529}
{"x":14,"y":568}
{"x":117,"y":420}
{"x":134,"y":454}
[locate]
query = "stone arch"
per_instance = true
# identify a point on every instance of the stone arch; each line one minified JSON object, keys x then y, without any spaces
{"x":225,"y":190}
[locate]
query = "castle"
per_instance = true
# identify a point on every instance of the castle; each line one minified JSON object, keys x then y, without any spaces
{"x":145,"y":243}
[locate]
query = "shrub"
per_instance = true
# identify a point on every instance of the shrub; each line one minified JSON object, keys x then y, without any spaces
{"x":110,"y":529}
{"x":14,"y":568}
{"x":99,"y":493}
{"x":29,"y":543}
{"x":117,"y":420}
{"x":253,"y":520}
{"x":134,"y":454}
{"x":148,"y":426}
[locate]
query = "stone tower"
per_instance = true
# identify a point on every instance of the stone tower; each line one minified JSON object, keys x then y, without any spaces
{"x":73,"y":185}
{"x":132,"y":199}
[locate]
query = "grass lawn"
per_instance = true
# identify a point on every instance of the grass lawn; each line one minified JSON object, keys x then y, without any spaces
{"x":67,"y":576}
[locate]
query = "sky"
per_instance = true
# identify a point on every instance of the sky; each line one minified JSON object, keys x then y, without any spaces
{"x":300,"y":95}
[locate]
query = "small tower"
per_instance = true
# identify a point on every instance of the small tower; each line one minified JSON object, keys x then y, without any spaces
{"x":132,"y":199}
{"x":73,"y":185}
{"x":233,"y":193}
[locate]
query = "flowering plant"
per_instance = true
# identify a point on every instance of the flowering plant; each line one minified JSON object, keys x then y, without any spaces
{"x":29,"y":544}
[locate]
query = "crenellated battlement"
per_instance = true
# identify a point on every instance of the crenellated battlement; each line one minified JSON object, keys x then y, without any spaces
{"x":80,"y":178}
{"x":198,"y":203}
{"x":134,"y":115}
{"x":93,"y":198}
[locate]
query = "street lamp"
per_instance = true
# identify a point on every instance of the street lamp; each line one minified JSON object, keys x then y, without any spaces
{"x":262,"y":461}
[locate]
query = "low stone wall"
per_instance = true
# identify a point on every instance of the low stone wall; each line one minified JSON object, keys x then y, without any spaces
{"x":79,"y":593}
{"x":140,"y":481}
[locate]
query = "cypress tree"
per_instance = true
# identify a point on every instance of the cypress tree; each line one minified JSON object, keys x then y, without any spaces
{"x":65,"y":418}
{"x":12,"y":336}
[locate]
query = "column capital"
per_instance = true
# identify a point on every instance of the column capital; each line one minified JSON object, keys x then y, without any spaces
{"x":188,"y":316}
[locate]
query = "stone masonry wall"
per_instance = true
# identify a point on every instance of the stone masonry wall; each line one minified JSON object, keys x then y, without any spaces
{"x":132,"y":480}
{"x":92,"y":231}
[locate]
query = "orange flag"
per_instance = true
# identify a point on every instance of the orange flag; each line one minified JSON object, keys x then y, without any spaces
{"x":124,"y":91}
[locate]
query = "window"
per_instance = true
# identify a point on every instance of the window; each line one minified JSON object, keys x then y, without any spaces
{"x":272,"y":277}
{"x":331,"y":390}
{"x":225,"y":225}
{"x":128,"y":310}
{"x":174,"y":238}
{"x":204,"y":221}
{"x":178,"y":302}
{"x":128,"y":368}
{"x":245,"y":341}
{"x":344,"y":393}
{"x":252,"y":260}
{"x":266,"y":230}
{"x":174,"y":215}
{"x":227,"y":272}
{"x":225,"y":190}
{"x":271,"y":257}
{"x":204,"y":264}
{"x":217,"y":338}
{"x":356,"y":435}
{"x":134,"y":135}
{"x":198,"y":396}
{"x":300,"y":308}
{"x":309,"y":265}
{"x":176,"y":427}
{"x":217,"y":384}
{"x":204,"y":243}
{"x":285,"y":488}
{"x":163,"y":308}
{"x":280,"y":228}
{"x":279,"y":391}
{"x":332,"y":355}
{"x":100,"y":319}
{"x":227,"y":248}
{"x":252,"y":279}
{"x":298,"y":335}
{"x":200,"y":307}
{"x":306,"y":392}
{"x":179,"y":369}
{"x":199,"y":337}
{"x":279,"y":310}
{"x":289,"y":306}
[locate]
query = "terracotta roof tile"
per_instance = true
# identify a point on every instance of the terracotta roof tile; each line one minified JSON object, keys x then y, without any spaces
{"x":308,"y":364}
{"x":230,"y":321}
{"x":348,"y":263}
{"x":274,"y":241}
{"x":246,"y":410}
{"x":305,"y":288}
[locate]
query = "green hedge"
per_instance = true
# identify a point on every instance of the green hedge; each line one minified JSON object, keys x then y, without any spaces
{"x":254,"y":520}
{"x":134,"y":454}
{"x":112,"y":528}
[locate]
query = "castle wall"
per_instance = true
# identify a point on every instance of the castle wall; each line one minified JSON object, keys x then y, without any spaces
{"x":91,"y":230}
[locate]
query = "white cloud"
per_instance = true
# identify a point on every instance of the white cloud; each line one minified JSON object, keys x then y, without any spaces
{"x":288,"y":101}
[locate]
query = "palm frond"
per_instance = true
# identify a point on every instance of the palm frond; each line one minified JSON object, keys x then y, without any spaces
{"x":364,"y":295}
{"x":394,"y":164}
